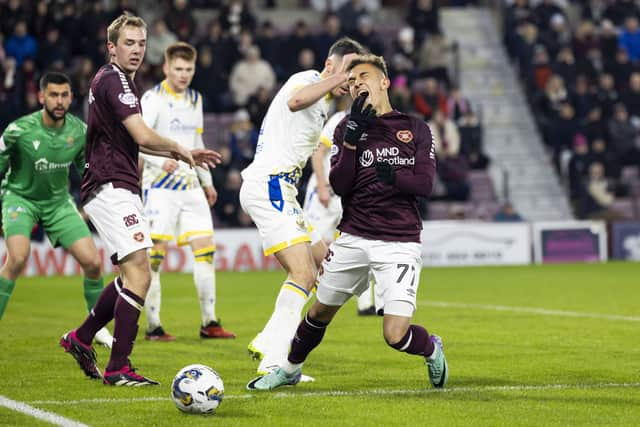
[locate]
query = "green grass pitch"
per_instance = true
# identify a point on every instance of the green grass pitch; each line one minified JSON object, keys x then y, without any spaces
{"x":534,"y":345}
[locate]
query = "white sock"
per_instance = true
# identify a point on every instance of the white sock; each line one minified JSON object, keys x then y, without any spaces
{"x":283,"y":324}
{"x":204,"y":276}
{"x":365,"y":300}
{"x":289,"y":367}
{"x":152,"y":302}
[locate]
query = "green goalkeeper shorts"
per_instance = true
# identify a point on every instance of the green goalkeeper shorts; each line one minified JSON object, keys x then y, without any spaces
{"x":60,"y":219}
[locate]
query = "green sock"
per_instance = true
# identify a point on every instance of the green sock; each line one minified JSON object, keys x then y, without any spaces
{"x":6,"y":287}
{"x":92,"y":291}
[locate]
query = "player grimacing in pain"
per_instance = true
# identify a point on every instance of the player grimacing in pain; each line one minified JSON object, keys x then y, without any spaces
{"x":385,"y":160}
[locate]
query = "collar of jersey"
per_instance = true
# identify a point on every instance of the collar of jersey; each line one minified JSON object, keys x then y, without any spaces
{"x":170,"y":91}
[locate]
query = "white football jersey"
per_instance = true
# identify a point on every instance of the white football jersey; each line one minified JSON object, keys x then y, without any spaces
{"x":326,"y":138}
{"x":287,"y":139}
{"x":177,"y":117}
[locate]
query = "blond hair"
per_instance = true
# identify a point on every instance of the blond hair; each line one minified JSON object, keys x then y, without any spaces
{"x":376,"y":61}
{"x":124,"y":20}
{"x":180,"y":50}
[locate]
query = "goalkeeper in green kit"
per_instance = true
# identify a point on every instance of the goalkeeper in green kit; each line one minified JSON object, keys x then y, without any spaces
{"x":36,"y":151}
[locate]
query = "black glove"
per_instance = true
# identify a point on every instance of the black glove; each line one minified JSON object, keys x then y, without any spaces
{"x":385,"y":173}
{"x":359,"y":120}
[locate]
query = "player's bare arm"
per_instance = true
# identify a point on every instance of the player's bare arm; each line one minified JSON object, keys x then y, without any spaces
{"x":309,"y":95}
{"x":317,"y":163}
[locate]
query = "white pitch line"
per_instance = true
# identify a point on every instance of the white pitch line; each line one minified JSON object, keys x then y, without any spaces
{"x":372,"y":392}
{"x":531,"y":310}
{"x":49,"y":417}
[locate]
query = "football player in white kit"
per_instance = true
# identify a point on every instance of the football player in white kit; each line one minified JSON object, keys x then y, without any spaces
{"x":321,"y":205}
{"x":177,"y":197}
{"x":289,"y":134}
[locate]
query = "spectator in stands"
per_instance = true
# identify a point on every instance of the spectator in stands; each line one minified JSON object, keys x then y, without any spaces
{"x":608,"y":39}
{"x":471,"y":141}
{"x":306,"y":60}
{"x":424,"y":18}
{"x":585,"y":39}
{"x":404,"y":53}
{"x":457,"y":104}
{"x":548,"y":104}
{"x":236,"y":15}
{"x":594,"y":127}
{"x":330,"y":33}
{"x":249,"y":75}
{"x":453,"y":168}
{"x":507,"y":213}
{"x":91,"y":21}
{"x":227,"y":207}
{"x":581,"y":97}
{"x":564,"y":66}
{"x":433,"y":59}
{"x":400,"y":94}
{"x":349,"y":14}
{"x":541,"y":70}
{"x":557,"y":36}
{"x":41,"y":20}
{"x":299,"y":40}
{"x":53,"y":49}
{"x":219,"y":45}
{"x":11,"y":13}
{"x":544,"y":12}
{"x":630,"y":38}
{"x":258,"y":105}
{"x":9,"y":107}
{"x":525,"y":42}
{"x":367,"y":36}
{"x":516,"y":15}
{"x":158,"y":39}
{"x":428,"y":99}
{"x":631,"y":98}
{"x":21,"y":45}
{"x":597,"y":197}
{"x":180,"y":20}
{"x":270,"y":45}
{"x":578,"y":167}
{"x":211,"y":80}
{"x":606,"y":94}
{"x":618,"y":10}
{"x":243,"y":138}
{"x":601,"y":154}
{"x":69,"y":26}
{"x":621,"y":69}
{"x":564,"y":130}
{"x":623,"y":137}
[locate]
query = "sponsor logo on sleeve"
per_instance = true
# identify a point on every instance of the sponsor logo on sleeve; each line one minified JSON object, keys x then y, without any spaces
{"x":404,"y":136}
{"x":334,"y":150}
{"x":128,"y":99}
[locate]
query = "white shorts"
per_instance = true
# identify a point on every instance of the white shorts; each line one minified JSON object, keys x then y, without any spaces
{"x":117,"y":215}
{"x":323,"y":220}
{"x":277,"y":214}
{"x":395,"y":266}
{"x":183,"y":215}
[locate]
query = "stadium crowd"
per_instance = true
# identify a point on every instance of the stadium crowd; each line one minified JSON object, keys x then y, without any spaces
{"x":242,"y":60}
{"x":580,"y":64}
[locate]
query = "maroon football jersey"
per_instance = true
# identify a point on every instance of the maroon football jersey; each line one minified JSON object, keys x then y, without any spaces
{"x":372,"y":209}
{"x":111,"y":153}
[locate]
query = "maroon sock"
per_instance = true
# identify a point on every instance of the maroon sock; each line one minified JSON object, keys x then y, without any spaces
{"x":307,"y":337}
{"x":100,"y":314}
{"x":415,"y":341}
{"x":126,"y":314}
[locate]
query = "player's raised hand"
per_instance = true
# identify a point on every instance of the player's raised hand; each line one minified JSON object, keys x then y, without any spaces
{"x":346,"y":60}
{"x":360,"y":118}
{"x":206,"y":158}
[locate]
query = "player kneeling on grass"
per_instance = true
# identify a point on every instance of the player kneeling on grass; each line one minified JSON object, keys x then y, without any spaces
{"x":38,"y":150}
{"x":384,"y":161}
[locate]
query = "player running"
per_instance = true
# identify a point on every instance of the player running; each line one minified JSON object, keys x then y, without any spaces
{"x":177,"y":197}
{"x":38,"y":149}
{"x":111,"y":197}
{"x":385,"y":160}
{"x":288,"y":136}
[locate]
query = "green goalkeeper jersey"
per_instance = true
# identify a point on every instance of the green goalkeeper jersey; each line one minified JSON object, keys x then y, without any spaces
{"x":37,"y":158}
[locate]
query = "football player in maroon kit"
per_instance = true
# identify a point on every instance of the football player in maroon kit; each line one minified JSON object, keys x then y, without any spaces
{"x":385,"y":160}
